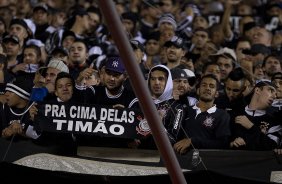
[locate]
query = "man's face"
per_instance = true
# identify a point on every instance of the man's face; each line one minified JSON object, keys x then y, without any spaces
{"x":78,"y":53}
{"x":213,"y":69}
{"x":272,"y":65}
{"x":233,"y":89}
{"x":174,"y":54}
{"x":30,"y":56}
{"x":113,"y":80}
{"x":40,"y":17}
{"x":152,"y":47}
{"x":199,"y":39}
{"x":200,"y":22}
{"x":181,"y":86}
{"x":128,"y":25}
{"x":261,"y":36}
{"x":64,"y":89}
{"x":166,"y":6}
{"x":12,"y":99}
{"x":18,"y":31}
{"x":208,"y":49}
{"x":208,"y":90}
{"x":225,"y":65}
{"x":11,"y":48}
{"x":51,"y":75}
{"x":278,"y":83}
{"x":94,"y":20}
{"x":165,"y":26}
{"x":266,"y":95}
{"x":85,"y":22}
{"x":243,"y":45}
{"x":157,"y":83}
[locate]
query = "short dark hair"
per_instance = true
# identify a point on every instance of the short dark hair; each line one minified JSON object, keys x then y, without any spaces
{"x":35,"y":48}
{"x":160,"y":69}
{"x":207,"y":64}
{"x":237,"y":74}
{"x":64,"y":75}
{"x":82,"y":41}
{"x":274,"y":55}
{"x":212,"y":76}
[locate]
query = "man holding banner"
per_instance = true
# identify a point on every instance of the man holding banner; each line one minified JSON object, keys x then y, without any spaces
{"x":61,"y":143}
{"x":112,"y":96}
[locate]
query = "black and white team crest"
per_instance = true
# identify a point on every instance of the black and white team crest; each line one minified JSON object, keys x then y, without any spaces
{"x":208,"y":122}
{"x":143,"y":127}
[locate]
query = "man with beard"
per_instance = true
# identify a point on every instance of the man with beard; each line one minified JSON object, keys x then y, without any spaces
{"x":234,"y":87}
{"x":182,"y":86}
{"x":112,"y":93}
{"x":255,"y":128}
{"x":206,"y":126}
{"x":180,"y":82}
{"x":271,"y":65}
{"x":174,"y":51}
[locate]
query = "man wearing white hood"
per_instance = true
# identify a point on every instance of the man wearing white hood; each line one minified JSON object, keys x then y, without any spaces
{"x":171,"y":112}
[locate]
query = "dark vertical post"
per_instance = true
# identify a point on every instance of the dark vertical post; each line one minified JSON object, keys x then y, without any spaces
{"x":141,"y":90}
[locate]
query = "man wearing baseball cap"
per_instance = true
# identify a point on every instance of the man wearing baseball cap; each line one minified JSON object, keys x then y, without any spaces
{"x":226,"y":59}
{"x":19,"y":28}
{"x":112,"y":93}
{"x":174,"y":50}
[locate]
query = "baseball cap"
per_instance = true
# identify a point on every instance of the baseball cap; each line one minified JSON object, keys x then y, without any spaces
{"x":11,"y":38}
{"x":226,"y":52}
{"x":19,"y":22}
{"x":137,"y":45}
{"x":41,"y":6}
{"x":175,"y":41}
{"x":191,"y":76}
{"x":115,"y":64}
{"x":178,"y":73}
{"x":54,"y":63}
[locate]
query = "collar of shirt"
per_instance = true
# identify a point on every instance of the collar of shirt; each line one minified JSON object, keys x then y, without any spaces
{"x":254,"y":112}
{"x":198,"y":110}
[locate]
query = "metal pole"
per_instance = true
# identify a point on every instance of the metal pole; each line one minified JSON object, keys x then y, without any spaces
{"x":141,"y":90}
